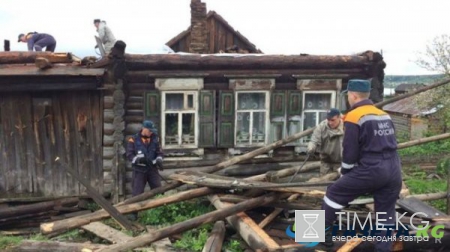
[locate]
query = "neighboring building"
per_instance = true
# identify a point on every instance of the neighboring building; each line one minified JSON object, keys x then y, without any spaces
{"x":210,"y":33}
{"x":410,"y":122}
{"x":405,"y":88}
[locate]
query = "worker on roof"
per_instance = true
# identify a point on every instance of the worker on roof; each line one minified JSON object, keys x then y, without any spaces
{"x":327,"y":140}
{"x":105,"y":34}
{"x":146,"y":157}
{"x":370,"y":163}
{"x":37,"y":41}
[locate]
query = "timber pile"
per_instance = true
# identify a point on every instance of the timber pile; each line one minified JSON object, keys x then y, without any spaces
{"x":22,"y":217}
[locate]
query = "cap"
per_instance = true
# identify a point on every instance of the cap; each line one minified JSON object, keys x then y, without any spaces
{"x":148,"y":124}
{"x":356,"y":85}
{"x":20,"y":36}
{"x":332,"y":113}
{"x":97,"y":21}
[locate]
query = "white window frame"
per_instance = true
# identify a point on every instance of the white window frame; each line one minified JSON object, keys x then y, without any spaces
{"x":267,"y":119}
{"x":180,"y":113}
{"x":332,"y":105}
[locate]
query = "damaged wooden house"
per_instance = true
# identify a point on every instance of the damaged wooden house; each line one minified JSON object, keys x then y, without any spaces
{"x":207,"y":105}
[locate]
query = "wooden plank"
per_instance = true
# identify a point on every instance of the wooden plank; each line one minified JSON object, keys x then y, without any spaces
{"x":215,"y":239}
{"x":253,"y":235}
{"x":350,"y":245}
{"x":413,"y":205}
{"x":106,"y":232}
{"x":40,"y":246}
{"x":204,"y":179}
{"x":276,"y":212}
{"x":125,"y":223}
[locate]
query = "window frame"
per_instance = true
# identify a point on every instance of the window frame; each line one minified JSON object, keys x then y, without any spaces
{"x":267,"y":118}
{"x":185,"y":110}
{"x":332,"y":105}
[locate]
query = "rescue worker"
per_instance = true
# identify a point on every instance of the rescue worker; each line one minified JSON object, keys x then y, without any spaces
{"x":37,"y":41}
{"x":327,"y":140}
{"x":105,"y":34}
{"x":145,"y":154}
{"x":370,"y":163}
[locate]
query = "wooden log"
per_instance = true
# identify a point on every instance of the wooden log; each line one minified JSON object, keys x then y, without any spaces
{"x":173,"y":61}
{"x":151,"y":193}
{"x":45,"y":246}
{"x":30,"y":57}
{"x":423,"y":140}
{"x":189,"y":224}
{"x":259,"y":151}
{"x":98,"y":198}
{"x":252,"y":234}
{"x":106,"y":232}
{"x":43,"y":63}
{"x":278,"y":204}
{"x":350,"y":245}
{"x":275,"y":212}
{"x":273,"y":176}
{"x":216,"y":181}
{"x":412,"y":93}
{"x":67,"y":224}
{"x":36,"y":207}
{"x":215,"y":239}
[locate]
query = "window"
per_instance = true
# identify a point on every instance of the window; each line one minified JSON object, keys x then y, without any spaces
{"x":316,"y":104}
{"x":252,"y":111}
{"x":179,"y":119}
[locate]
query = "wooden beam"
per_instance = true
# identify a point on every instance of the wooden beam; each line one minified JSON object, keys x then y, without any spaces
{"x":41,"y":246}
{"x":174,"y":61}
{"x":43,"y":63}
{"x":423,"y":140}
{"x":189,"y":224}
{"x":78,"y":221}
{"x":116,"y":215}
{"x":30,"y":57}
{"x":252,"y":234}
{"x":36,"y":207}
{"x":276,"y":212}
{"x":106,"y":232}
{"x":273,"y":176}
{"x":215,"y":239}
{"x":350,"y":245}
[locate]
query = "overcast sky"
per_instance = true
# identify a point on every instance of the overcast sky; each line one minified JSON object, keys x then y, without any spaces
{"x":401,"y":29}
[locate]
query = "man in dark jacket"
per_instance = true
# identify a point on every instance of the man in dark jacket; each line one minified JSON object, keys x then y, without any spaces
{"x":145,"y":154}
{"x":370,"y":163}
{"x":37,"y":41}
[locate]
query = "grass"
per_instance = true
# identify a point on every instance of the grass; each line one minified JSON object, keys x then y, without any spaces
{"x":9,"y":241}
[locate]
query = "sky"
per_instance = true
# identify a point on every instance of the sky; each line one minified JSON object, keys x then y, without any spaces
{"x":399,"y":29}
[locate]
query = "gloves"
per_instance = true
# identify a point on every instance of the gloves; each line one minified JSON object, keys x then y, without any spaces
{"x":159,"y":163}
{"x":142,"y":160}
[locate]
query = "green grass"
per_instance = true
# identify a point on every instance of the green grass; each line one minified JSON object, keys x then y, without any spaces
{"x":9,"y":241}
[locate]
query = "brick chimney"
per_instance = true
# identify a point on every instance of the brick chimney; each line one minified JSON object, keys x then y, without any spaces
{"x":199,"y":33}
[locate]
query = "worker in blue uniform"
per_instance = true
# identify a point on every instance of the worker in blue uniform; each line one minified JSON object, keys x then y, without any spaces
{"x":370,"y":163}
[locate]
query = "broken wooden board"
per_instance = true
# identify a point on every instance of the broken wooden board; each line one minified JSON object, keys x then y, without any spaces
{"x":216,"y":181}
{"x":39,"y":246}
{"x":106,"y":232}
{"x":413,"y":205}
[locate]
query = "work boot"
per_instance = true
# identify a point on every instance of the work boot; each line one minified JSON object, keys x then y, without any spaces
{"x":328,"y":237}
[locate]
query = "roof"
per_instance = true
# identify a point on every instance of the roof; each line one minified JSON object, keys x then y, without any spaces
{"x":213,"y":14}
{"x":407,"y":87}
{"x":29,"y":71}
{"x":408,"y":106}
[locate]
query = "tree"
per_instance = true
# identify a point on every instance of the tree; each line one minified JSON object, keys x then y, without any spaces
{"x":437,"y":58}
